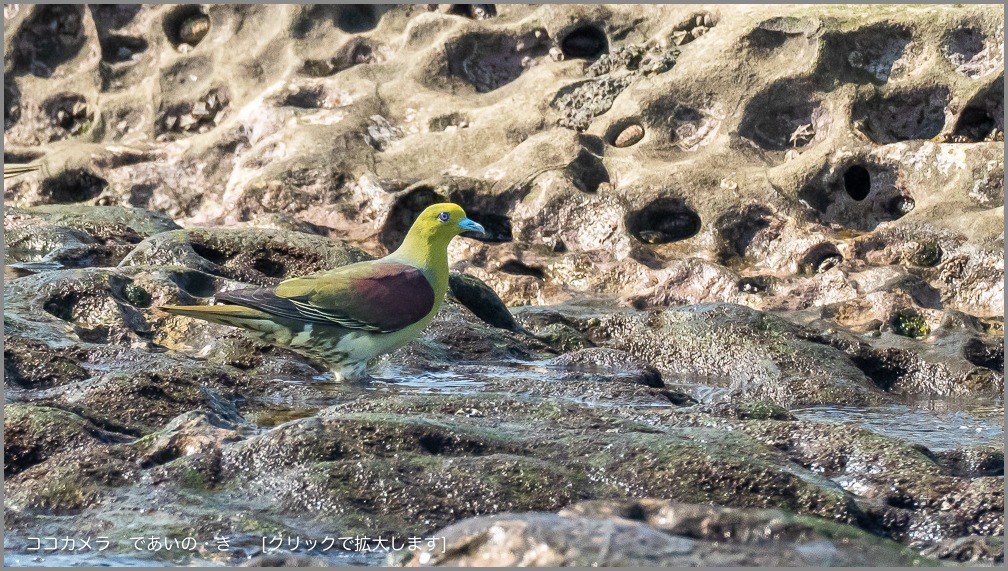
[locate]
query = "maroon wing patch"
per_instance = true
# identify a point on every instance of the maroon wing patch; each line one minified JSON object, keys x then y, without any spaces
{"x":391,"y":297}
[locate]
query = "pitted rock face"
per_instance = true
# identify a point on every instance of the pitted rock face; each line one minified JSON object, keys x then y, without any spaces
{"x":668,"y":120}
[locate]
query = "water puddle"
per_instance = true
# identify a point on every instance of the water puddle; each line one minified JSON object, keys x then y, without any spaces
{"x":428,"y":382}
{"x":938,"y":425}
{"x":271,"y":416}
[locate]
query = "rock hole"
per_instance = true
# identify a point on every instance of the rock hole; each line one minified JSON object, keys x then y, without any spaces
{"x":982,"y":118}
{"x":117,"y":49}
{"x":269,"y":268}
{"x":584,"y":42}
{"x":765,"y":39}
{"x":210,"y":253}
{"x":784,"y":116}
{"x":868,"y":55}
{"x":820,"y":258}
{"x":53,"y":35}
{"x":484,"y":209}
{"x":966,"y":51}
{"x":858,"y":193}
{"x":646,"y":256}
{"x":857,"y":182}
{"x":974,"y":125}
{"x":61,"y":306}
{"x":435,"y":443}
{"x":773,"y":33}
{"x":885,"y":368}
{"x":141,"y":195}
{"x":738,"y":229}
{"x":987,"y":355}
{"x":663,"y":221}
{"x":474,"y":11}
{"x":964,"y":44}
{"x":516,"y":268}
{"x":73,"y":186}
{"x":136,"y":295}
{"x":69,"y":112}
{"x":357,"y":18}
{"x":305,"y":98}
{"x":588,"y":172}
{"x":906,"y":116}
{"x":186,"y":25}
{"x":489,"y":61}
{"x":194,"y":283}
{"x":634,"y":511}
{"x":754,"y":284}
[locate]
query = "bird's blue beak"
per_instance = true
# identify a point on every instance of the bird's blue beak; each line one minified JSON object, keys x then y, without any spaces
{"x":469,"y":226}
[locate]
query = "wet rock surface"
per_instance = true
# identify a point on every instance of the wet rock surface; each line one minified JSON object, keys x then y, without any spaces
{"x":659,"y":533}
{"x":719,"y":317}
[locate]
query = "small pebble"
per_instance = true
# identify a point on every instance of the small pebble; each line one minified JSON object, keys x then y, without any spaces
{"x":828,"y":263}
{"x":902,"y":205}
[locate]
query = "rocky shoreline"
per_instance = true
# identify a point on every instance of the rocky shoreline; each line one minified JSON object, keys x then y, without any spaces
{"x":702,"y":225}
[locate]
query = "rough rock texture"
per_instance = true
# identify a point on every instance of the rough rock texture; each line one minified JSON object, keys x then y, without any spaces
{"x":659,"y":534}
{"x":704,"y":220}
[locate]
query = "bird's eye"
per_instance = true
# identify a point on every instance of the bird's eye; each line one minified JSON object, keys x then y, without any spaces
{"x":443,"y":217}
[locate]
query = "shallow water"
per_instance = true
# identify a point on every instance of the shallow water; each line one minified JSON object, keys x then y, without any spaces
{"x":938,"y":425}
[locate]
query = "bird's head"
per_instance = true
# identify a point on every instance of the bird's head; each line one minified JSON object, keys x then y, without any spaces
{"x":435,"y":227}
{"x":442,"y":222}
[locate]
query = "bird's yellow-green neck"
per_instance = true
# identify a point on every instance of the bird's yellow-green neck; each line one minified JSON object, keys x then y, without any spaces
{"x":427,"y":249}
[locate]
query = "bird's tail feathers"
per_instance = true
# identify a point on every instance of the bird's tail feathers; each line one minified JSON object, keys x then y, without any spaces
{"x":12,"y":170}
{"x":235,"y":315}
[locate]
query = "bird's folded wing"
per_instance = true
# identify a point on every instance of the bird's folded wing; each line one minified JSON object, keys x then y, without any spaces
{"x":372,"y":296}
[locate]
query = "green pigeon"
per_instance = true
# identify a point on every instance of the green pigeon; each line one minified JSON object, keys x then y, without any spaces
{"x":349,"y":315}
